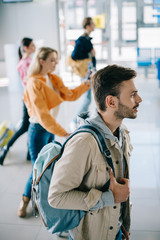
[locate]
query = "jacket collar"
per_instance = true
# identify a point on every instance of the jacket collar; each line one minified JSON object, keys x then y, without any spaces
{"x":96,"y":120}
{"x":39,"y":76}
{"x":86,"y":36}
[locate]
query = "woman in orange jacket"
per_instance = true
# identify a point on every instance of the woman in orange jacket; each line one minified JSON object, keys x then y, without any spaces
{"x":43,"y":95}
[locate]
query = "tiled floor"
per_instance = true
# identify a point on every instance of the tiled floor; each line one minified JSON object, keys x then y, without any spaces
{"x":145,"y":169}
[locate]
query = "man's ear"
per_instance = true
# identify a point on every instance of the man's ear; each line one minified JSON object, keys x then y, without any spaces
{"x":111,"y":101}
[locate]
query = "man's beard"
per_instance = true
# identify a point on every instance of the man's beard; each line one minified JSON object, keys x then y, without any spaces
{"x":125,"y":112}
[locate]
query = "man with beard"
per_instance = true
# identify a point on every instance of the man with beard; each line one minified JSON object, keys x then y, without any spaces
{"x":82,"y":171}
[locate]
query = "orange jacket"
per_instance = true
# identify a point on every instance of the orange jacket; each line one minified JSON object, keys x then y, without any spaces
{"x":39,"y":98}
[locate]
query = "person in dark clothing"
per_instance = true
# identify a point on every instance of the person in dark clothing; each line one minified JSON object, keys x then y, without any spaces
{"x":84,"y":50}
{"x":83,"y":46}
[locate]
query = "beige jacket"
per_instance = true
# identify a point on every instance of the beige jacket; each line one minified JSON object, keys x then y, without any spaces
{"x":78,"y":177}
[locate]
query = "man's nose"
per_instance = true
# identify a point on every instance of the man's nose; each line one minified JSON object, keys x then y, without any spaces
{"x":139,"y":99}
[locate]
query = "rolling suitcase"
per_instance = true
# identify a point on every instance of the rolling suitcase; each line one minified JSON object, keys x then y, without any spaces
{"x":6,"y":132}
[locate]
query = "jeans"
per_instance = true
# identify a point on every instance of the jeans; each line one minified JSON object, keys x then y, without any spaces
{"x":38,"y":137}
{"x":118,"y":237}
{"x":86,"y":100}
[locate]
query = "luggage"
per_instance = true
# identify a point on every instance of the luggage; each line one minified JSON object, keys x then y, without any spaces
{"x":79,"y":67}
{"x":59,"y":220}
{"x":6,"y":133}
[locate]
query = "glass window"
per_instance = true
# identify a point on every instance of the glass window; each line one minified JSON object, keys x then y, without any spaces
{"x":129,"y":21}
{"x":151,"y":14}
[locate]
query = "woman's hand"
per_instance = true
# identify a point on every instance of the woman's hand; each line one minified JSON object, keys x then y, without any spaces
{"x":88,"y":80}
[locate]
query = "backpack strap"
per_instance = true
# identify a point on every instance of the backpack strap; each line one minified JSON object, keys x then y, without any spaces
{"x":101,"y":143}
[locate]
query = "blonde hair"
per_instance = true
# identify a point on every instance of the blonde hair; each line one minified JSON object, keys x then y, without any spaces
{"x":42,"y":53}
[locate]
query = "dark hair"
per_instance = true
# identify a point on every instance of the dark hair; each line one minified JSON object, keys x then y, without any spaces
{"x":108,"y":80}
{"x":24,"y":42}
{"x":86,"y":21}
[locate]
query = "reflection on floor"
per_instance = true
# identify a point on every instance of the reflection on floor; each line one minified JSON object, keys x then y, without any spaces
{"x":145,"y":169}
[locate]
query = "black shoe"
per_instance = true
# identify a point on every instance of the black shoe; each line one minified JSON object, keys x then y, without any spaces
{"x":3,"y":153}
